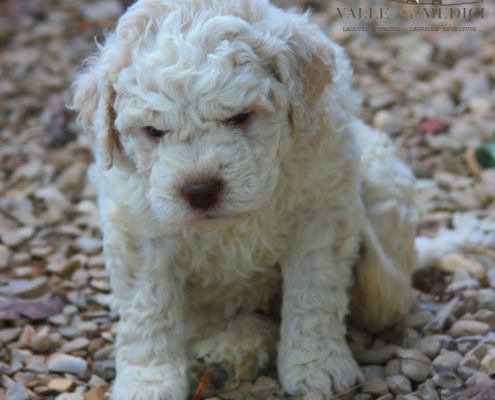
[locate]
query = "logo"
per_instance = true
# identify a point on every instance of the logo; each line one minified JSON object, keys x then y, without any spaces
{"x":438,"y":2}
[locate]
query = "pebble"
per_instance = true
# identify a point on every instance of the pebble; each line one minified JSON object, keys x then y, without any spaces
{"x":9,"y":334}
{"x":388,"y":396}
{"x":393,"y":367}
{"x":488,"y":362}
{"x":449,"y":263}
{"x":376,"y":387}
{"x":41,"y":342}
{"x":469,"y":328}
{"x":415,"y":366}
{"x":96,"y":394}
{"x":106,"y":370}
{"x":399,"y":384}
{"x":88,"y":245}
{"x":76,"y":344}
{"x":14,"y":238}
{"x":418,"y":319}
{"x":231,"y":395}
{"x":363,"y":396}
{"x":17,"y":392}
{"x":314,"y":396}
{"x":376,"y":356}
{"x":428,"y":393}
{"x":372,"y":372}
{"x":264,"y":387}
{"x":448,"y":359}
{"x":447,"y":379}
{"x":4,"y":257}
{"x":26,"y":288}
{"x":61,"y":385}
{"x":66,"y":364}
{"x":70,"y":396}
{"x":95,"y":382}
{"x":429,"y":346}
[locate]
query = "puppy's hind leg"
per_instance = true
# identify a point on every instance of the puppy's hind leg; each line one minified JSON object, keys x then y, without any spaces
{"x":382,"y":293}
{"x":246,"y":345}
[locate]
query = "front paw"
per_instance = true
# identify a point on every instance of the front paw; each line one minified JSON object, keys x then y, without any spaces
{"x":301,"y":373}
{"x":150,"y":383}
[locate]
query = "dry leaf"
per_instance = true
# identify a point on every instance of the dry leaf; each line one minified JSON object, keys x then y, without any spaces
{"x":40,"y":308}
{"x":431,"y":126}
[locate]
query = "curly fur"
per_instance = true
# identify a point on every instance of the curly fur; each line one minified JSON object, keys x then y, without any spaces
{"x":306,"y":184}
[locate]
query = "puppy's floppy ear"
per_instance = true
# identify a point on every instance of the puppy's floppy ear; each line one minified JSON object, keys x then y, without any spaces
{"x":305,"y":65}
{"x":93,"y":99}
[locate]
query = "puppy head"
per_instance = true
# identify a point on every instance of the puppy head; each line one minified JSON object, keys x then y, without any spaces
{"x":203,"y":99}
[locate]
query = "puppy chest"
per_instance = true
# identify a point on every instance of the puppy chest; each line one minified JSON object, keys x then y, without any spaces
{"x":232,"y":273}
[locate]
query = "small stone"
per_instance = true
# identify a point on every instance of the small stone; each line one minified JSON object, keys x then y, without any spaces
{"x":70,"y":396}
{"x":469,"y":328}
{"x":63,"y":267}
{"x":399,"y":384}
{"x":363,"y":396}
{"x":76,"y":344}
{"x":486,"y":299}
{"x":9,"y":335}
{"x":393,"y":367}
{"x":23,"y":272}
{"x":26,"y":288}
{"x":479,"y":351}
{"x":448,"y":359}
{"x":104,"y":353}
{"x":487,"y":317}
{"x":488,"y":362}
{"x":428,"y":393}
{"x":87,"y":326}
{"x":470,"y":361}
{"x":231,"y":395}
{"x":447,"y":379}
{"x":452,"y":261}
{"x":89,"y":245}
{"x":105,"y":369}
{"x":314,"y":396}
{"x":418,"y":319}
{"x":376,"y":356}
{"x":264,"y":387}
{"x":17,"y":392}
{"x":372,"y":372}
{"x":41,"y":342}
{"x":14,"y":238}
{"x":415,"y":366}
{"x":36,"y":364}
{"x":465,"y":373}
{"x":95,"y":394}
{"x":41,"y":251}
{"x":388,"y":396}
{"x":100,"y":285}
{"x":479,"y":376}
{"x":480,"y":105}
{"x":95,"y":382}
{"x":376,"y":387}
{"x":67,"y":364}
{"x":4,"y":257}
{"x":61,"y":385}
{"x":429,"y":346}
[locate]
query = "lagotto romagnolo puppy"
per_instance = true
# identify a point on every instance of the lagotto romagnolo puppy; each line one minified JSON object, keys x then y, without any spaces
{"x":231,"y":169}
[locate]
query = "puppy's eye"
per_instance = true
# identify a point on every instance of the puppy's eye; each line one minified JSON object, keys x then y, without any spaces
{"x":156,"y":133}
{"x":237,"y":120}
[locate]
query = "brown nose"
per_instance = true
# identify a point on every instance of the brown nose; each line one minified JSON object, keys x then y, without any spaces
{"x":203,"y":195}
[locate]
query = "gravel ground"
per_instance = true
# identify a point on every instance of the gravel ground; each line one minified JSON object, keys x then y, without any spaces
{"x":433,"y":92}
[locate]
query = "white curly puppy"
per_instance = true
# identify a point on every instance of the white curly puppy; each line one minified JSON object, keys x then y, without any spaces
{"x":231,"y":168}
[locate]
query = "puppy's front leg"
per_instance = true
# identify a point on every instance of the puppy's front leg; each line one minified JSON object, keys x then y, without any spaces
{"x":313,"y":354}
{"x":151,"y":343}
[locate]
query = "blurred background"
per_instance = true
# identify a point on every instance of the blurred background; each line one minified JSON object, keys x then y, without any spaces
{"x":431,"y":91}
